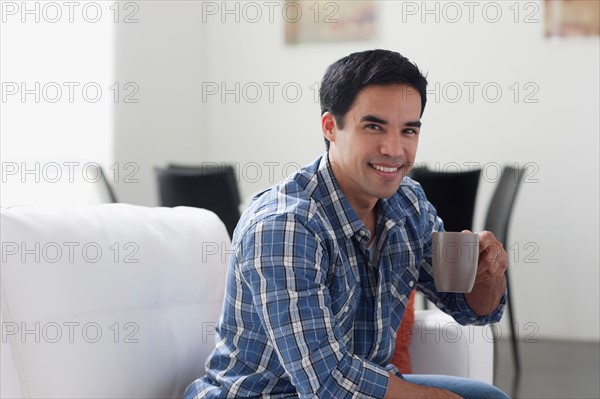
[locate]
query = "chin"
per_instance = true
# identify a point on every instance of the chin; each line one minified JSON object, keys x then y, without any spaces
{"x":384,"y":194}
{"x":387,"y":195}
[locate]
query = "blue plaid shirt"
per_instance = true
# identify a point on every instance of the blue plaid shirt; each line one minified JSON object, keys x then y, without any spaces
{"x":306,"y":313}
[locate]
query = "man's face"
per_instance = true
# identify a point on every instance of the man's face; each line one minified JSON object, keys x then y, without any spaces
{"x":377,"y":146}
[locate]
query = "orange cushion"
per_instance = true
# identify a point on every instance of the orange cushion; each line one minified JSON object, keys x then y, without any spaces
{"x":401,"y":357}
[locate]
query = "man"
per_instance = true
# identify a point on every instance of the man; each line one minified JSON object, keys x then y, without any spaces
{"x":325,"y":261}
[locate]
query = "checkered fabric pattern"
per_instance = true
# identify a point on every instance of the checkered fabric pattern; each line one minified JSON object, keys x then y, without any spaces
{"x":306,"y":313}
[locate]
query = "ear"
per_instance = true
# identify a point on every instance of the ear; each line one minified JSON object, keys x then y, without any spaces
{"x":328,"y":126}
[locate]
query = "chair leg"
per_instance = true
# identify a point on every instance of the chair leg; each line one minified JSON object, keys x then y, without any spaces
{"x":514,"y":334}
{"x":495,"y":343}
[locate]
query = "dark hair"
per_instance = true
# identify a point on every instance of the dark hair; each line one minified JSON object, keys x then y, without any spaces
{"x":345,"y":78}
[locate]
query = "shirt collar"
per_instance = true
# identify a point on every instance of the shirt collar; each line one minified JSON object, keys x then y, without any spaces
{"x":342,"y":216}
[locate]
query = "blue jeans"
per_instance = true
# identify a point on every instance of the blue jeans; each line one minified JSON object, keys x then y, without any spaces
{"x":467,"y":388}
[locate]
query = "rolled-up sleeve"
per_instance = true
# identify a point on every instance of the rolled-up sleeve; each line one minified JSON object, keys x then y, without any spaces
{"x":285,"y":267}
{"x":452,"y":303}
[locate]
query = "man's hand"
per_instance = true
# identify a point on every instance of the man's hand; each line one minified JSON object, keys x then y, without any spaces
{"x":400,"y":389}
{"x":490,"y":283}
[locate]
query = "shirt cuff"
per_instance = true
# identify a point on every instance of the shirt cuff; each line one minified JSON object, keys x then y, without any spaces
{"x":394,"y":370}
{"x":465,"y":314}
{"x":373,"y":382}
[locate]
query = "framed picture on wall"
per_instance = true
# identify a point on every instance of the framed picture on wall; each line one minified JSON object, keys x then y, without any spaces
{"x":572,"y":18}
{"x":329,"y":21}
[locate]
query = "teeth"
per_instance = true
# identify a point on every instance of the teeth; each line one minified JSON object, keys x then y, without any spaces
{"x":384,"y":169}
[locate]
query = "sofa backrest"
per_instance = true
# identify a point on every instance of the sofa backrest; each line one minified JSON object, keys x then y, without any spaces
{"x":109,"y":301}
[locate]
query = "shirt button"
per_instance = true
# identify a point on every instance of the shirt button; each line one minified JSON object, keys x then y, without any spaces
{"x":362,"y":233}
{"x":346,"y":308}
{"x":411,"y":284}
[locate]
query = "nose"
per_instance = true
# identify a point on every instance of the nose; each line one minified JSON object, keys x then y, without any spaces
{"x":393,"y":145}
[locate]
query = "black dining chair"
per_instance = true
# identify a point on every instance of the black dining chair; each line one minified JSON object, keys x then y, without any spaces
{"x":110,"y":192}
{"x":453,"y":195}
{"x":212,"y":187}
{"x":497,"y":221}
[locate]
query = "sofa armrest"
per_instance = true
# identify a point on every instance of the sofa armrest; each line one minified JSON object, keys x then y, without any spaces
{"x":133,"y":317}
{"x":440,"y":345}
{"x":9,"y":378}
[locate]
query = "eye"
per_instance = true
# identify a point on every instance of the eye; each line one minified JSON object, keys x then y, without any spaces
{"x":373,"y":126}
{"x":410,"y":130}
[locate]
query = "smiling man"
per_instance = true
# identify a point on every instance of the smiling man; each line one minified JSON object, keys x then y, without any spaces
{"x":325,"y":261}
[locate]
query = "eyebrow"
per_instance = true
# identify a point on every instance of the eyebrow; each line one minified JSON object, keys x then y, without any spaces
{"x":414,"y":124}
{"x":372,"y":118}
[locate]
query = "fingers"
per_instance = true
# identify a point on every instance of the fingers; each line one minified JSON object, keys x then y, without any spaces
{"x":490,"y":248}
{"x":487,"y":239}
{"x":492,"y":253}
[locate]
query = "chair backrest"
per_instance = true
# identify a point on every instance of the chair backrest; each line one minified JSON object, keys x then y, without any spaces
{"x":109,"y":189}
{"x":213,"y":188}
{"x":501,"y":205}
{"x":452,"y":194}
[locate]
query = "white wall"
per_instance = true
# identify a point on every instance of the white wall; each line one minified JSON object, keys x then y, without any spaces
{"x":163,"y":55}
{"x":54,"y":135}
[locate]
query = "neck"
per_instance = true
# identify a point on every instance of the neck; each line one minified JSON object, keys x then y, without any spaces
{"x":366,"y":213}
{"x":363,"y":206}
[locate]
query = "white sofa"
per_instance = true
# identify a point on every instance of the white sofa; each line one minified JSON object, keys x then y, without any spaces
{"x":120,"y":301}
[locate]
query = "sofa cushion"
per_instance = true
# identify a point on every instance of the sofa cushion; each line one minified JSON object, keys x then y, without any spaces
{"x":111,"y":300}
{"x":401,"y":357}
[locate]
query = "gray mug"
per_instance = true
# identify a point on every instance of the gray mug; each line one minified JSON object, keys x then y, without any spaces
{"x":454,"y":260}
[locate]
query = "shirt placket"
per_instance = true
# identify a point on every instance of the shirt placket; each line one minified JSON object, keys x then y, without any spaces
{"x":380,"y":299}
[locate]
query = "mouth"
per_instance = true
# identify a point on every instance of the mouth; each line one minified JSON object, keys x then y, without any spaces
{"x":388,"y":171}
